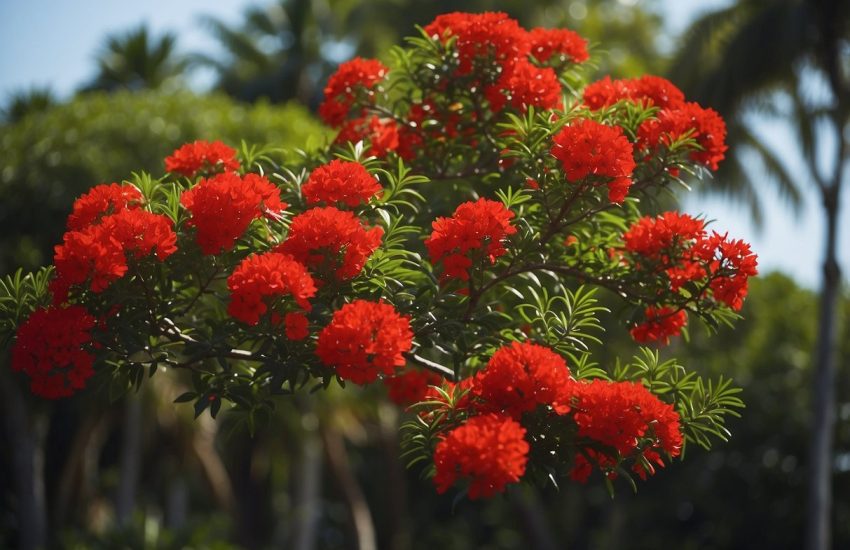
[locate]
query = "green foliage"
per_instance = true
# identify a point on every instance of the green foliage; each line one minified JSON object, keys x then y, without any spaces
{"x":53,"y":156}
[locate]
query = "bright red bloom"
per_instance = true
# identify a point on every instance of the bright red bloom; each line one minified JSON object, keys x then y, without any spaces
{"x":411,"y":386}
{"x":202,"y":156}
{"x":524,"y":85}
{"x":651,"y":237}
{"x":626,"y":417}
{"x":481,"y":37}
{"x":52,"y":349}
{"x":705,"y":126}
{"x":648,"y":89}
{"x":98,"y":253}
{"x":561,"y":42}
{"x":223,"y":207}
{"x":103,"y":200}
{"x":588,"y":148}
{"x":331,"y":241}
{"x":297,"y":326}
{"x":521,"y":376}
{"x":382,"y":134}
{"x":340,"y":181}
{"x":475,"y":230}
{"x":262,"y":278}
{"x":661,"y":323}
{"x":489,"y":450}
{"x":365,"y":339}
{"x":732,"y":263}
{"x":350,"y":79}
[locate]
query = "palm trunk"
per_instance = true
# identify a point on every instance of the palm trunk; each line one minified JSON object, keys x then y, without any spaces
{"x":819,"y":529}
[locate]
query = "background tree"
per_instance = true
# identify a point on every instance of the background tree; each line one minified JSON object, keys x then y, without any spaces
{"x":722,"y":61}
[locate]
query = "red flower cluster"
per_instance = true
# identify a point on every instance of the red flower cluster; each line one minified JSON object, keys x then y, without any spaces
{"x":365,"y":339}
{"x":331,"y":241}
{"x":629,"y":419}
{"x":223,"y":207}
{"x":103,"y":200}
{"x":524,"y":85}
{"x":648,"y":89}
{"x":489,"y":450}
{"x":482,"y":38}
{"x":588,"y":148}
{"x":476,"y":230}
{"x":50,"y":348}
{"x":382,"y":134}
{"x":340,"y":182}
{"x":520,"y":377}
{"x":261,"y":277}
{"x":559,"y":42}
{"x":296,"y":325}
{"x":411,"y":386}
{"x":352,"y":78}
{"x":202,"y":156}
{"x":688,"y":119}
{"x":97,"y":254}
{"x":661,"y":323}
{"x":654,"y":237}
{"x":678,"y":245}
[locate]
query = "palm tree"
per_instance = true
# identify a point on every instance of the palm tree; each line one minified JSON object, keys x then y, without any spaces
{"x":137,"y":60}
{"x":24,"y":102}
{"x":737,"y":59}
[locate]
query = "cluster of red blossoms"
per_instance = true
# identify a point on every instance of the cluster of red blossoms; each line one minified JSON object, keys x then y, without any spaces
{"x":514,"y":67}
{"x":364,"y":340}
{"x":51,"y":348}
{"x":95,"y":253}
{"x":339,"y":181}
{"x":588,"y":149}
{"x":224,"y":205}
{"x":675,"y":119}
{"x":677,"y":248}
{"x":476,"y":231}
{"x":411,"y":386}
{"x":616,"y":421}
{"x":202,"y":156}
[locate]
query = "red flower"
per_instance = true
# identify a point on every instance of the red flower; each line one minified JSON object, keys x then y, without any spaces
{"x":525,"y":85}
{"x":98,"y":253}
{"x":562,"y":42}
{"x":588,"y":148}
{"x":328,"y":240}
{"x":705,"y":126}
{"x":626,"y":417}
{"x":649,"y":90}
{"x":261,"y":277}
{"x":490,"y":451}
{"x":350,"y":79}
{"x":520,"y":377}
{"x":381,"y":133}
{"x":297,"y":326}
{"x":51,"y":348}
{"x":477,"y":230}
{"x":204,"y":156}
{"x":661,"y":323}
{"x":223,"y":207}
{"x":365,"y":339}
{"x":411,"y":386}
{"x":103,"y":200}
{"x":339,"y":181}
{"x":732,"y":263}
{"x":651,"y":236}
{"x":481,"y":37}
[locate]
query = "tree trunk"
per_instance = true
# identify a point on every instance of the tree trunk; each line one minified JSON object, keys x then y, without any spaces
{"x":819,"y":531}
{"x":131,"y":460}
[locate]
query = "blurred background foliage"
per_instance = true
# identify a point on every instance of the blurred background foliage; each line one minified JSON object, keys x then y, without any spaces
{"x":325,"y":472}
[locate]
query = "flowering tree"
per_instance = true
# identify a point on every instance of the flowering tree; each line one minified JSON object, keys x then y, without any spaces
{"x":449,"y":244}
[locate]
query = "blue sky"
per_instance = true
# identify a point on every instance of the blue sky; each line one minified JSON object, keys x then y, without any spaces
{"x":54,"y":42}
